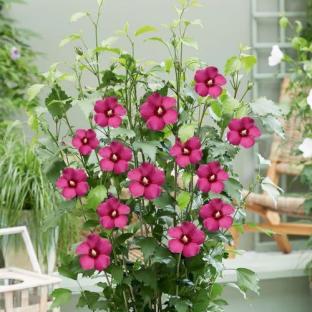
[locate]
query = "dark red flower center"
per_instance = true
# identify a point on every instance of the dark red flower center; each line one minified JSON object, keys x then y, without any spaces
{"x":145,"y":181}
{"x":114,"y":157}
{"x":114,"y":214}
{"x":212,"y":178}
{"x":160,"y":111}
{"x":210,"y":82}
{"x":185,"y":239}
{"x":109,"y":113}
{"x":72,"y":183}
{"x":244,"y":132}
{"x":186,"y":151}
{"x":93,"y":253}
{"x":85,"y":140}
{"x":218,"y":214}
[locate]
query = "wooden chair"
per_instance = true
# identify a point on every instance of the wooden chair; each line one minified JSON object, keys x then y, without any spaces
{"x":283,"y":162}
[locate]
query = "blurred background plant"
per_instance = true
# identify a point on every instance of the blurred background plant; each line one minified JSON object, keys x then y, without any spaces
{"x":26,"y":196}
{"x":17,"y":69}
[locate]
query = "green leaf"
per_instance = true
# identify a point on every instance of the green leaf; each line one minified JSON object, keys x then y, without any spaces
{"x":248,"y":62}
{"x":186,"y":132}
{"x":270,"y":188}
{"x":33,"y":91}
{"x":147,"y":277}
{"x":148,"y":246}
{"x":264,"y":107}
{"x":144,"y":29}
{"x":58,"y":102}
{"x":117,"y":273}
{"x":181,"y":305}
{"x":157,"y":39}
{"x":283,"y":22}
{"x":230,"y":105}
{"x":89,"y":299}
{"x":149,"y":149}
{"x":274,"y":125}
{"x":68,"y":39}
{"x":122,"y":132}
{"x":77,"y":16}
{"x":232,"y":187}
{"x":189,"y":42}
{"x":96,"y":196}
{"x":183,"y":199}
{"x":60,"y":296}
{"x":232,"y":65}
{"x":247,"y":280}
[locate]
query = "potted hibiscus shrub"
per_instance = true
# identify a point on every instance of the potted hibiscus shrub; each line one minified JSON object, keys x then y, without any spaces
{"x":151,"y":176}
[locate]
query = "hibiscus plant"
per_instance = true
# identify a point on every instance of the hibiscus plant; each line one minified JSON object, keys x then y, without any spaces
{"x":151,"y":176}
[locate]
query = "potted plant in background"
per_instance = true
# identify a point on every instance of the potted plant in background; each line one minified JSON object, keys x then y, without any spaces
{"x":151,"y":177}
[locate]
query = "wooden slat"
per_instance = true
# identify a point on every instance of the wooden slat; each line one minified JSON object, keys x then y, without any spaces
{"x":298,"y":229}
{"x":43,"y":305}
{"x":25,"y":298}
{"x":8,"y":301}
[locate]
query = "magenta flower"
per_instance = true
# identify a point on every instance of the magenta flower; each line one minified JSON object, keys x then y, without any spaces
{"x":186,"y":239}
{"x":187,"y":153}
{"x":116,"y":157}
{"x":243,"y":132}
{"x":113,"y":214}
{"x":208,"y":81}
{"x":146,"y":181}
{"x":73,"y":183}
{"x":94,"y":253}
{"x":216,"y":214}
{"x":159,"y":111}
{"x":85,"y":141}
{"x":109,"y":112}
{"x":15,"y":54}
{"x":211,"y":177}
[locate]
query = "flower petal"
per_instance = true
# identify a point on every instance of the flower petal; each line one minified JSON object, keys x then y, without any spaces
{"x":215,"y":91}
{"x":175,"y":246}
{"x":211,"y":224}
{"x":226,"y":222}
{"x":201,"y":89}
{"x":86,"y":262}
{"x":136,"y":189}
{"x":170,"y":117}
{"x":106,"y":165}
{"x":247,"y":142}
{"x":191,"y":250}
{"x":152,"y":191}
{"x":102,"y":262}
{"x":203,"y":185}
{"x":121,"y":221}
{"x":155,"y":123}
{"x":175,"y":232}
{"x":107,"y":222}
{"x":217,"y":187}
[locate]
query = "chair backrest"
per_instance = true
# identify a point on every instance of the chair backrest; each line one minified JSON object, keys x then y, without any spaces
{"x":284,"y":152}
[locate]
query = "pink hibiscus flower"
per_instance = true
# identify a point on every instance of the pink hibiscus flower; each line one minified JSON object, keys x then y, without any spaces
{"x":211,"y":177}
{"x":209,"y":82}
{"x":94,"y":253}
{"x":116,"y":157}
{"x":146,"y":181}
{"x":159,"y":111}
{"x":216,"y":214}
{"x":187,"y":153}
{"x":73,"y":183}
{"x":109,"y":112}
{"x":243,"y":132}
{"x":113,"y":214}
{"x":186,"y":239}
{"x":85,"y":141}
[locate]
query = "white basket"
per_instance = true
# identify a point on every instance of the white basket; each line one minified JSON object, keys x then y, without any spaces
{"x":22,"y":290}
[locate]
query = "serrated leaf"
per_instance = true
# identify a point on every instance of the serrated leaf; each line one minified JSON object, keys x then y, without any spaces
{"x":147,"y":277}
{"x":189,"y":42}
{"x":264,"y":107}
{"x":183,"y":199}
{"x":271,"y":188}
{"x":96,"y":196}
{"x":247,"y":280}
{"x":248,"y":62}
{"x":149,"y":149}
{"x":70,"y":38}
{"x":117,"y":273}
{"x":58,"y":102}
{"x":186,"y":132}
{"x":60,"y":296}
{"x":77,"y":16}
{"x":145,"y":29}
{"x":122,"y":132}
{"x":232,"y":65}
{"x":33,"y":91}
